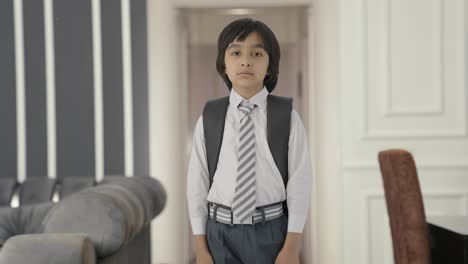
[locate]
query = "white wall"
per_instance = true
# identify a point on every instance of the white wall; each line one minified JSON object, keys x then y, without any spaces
{"x":403,"y":86}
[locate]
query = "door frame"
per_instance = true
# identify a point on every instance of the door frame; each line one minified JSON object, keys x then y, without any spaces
{"x":167,"y":88}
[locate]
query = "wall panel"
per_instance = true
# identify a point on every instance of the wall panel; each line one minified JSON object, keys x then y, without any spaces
{"x":74,"y":88}
{"x":35,"y":88}
{"x":112,"y":87}
{"x":8,"y":152}
{"x":140,"y":87}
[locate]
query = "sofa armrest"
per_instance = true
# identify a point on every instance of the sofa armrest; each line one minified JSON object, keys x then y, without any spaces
{"x":48,"y":249}
{"x":111,"y":214}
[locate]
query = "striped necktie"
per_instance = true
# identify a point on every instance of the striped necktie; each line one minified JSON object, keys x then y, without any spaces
{"x":243,"y":204}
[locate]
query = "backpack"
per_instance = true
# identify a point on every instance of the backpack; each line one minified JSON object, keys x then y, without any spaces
{"x":278,"y":127}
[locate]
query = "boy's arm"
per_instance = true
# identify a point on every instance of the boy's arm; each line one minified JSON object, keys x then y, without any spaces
{"x":297,"y":190}
{"x":300,"y":176}
{"x":198,"y":182}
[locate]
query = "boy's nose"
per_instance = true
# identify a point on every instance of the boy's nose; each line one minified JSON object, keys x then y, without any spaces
{"x":245,"y":61}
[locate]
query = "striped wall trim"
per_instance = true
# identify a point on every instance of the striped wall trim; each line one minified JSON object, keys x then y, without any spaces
{"x":98,"y":91}
{"x":50,"y":89}
{"x":20,"y":90}
{"x":127,"y":86}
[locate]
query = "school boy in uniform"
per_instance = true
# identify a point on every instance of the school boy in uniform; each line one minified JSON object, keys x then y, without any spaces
{"x":249,"y":175}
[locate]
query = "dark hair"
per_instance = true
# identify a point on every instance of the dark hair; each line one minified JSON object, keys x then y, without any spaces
{"x":239,"y":30}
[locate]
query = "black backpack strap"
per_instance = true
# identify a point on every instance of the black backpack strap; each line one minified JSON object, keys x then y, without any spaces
{"x":278,"y":128}
{"x":214,"y":116}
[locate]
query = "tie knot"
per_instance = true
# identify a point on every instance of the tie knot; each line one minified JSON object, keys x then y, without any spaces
{"x":246,"y":107}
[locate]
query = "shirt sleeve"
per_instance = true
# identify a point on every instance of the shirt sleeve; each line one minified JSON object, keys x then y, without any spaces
{"x":300,"y":176}
{"x":198,"y":182}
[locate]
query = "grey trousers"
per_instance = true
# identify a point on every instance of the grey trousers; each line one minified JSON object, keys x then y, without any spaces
{"x":246,"y":244}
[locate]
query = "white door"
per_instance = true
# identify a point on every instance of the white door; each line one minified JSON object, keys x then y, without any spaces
{"x":403,"y":85}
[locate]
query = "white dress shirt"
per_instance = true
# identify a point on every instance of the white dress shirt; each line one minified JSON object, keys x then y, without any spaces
{"x":269,"y":183}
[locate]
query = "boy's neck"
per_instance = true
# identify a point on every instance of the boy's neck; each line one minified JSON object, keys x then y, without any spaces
{"x":247,"y":93}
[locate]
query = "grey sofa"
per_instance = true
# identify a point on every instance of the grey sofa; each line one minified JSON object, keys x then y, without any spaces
{"x":105,"y":223}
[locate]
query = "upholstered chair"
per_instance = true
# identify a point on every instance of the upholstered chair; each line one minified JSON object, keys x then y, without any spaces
{"x":405,"y":207}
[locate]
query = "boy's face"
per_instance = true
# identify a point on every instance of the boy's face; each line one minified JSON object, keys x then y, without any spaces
{"x":247,"y":62}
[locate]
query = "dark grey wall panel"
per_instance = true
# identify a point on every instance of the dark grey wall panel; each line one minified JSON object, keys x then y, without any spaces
{"x":8,"y":150}
{"x":112,"y":87}
{"x":140,"y":87}
{"x":74,"y":88}
{"x":35,"y":88}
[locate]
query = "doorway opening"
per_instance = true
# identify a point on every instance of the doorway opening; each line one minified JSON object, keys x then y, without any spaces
{"x":201,"y":27}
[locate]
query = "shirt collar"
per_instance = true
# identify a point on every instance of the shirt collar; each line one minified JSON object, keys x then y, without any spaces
{"x":260,"y":99}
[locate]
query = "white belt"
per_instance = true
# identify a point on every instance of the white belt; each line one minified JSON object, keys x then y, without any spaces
{"x":223,"y":214}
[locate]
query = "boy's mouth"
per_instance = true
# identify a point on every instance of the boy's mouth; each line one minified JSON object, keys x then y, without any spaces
{"x":246,"y":73}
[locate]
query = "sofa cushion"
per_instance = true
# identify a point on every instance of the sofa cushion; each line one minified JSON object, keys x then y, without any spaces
{"x":149,"y":191}
{"x":7,"y":187}
{"x":36,"y":190}
{"x":73,"y":184}
{"x":91,"y":213}
{"x":128,"y":204}
{"x":22,"y":220}
{"x":7,"y":224}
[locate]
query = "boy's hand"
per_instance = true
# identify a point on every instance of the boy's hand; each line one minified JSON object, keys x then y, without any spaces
{"x":204,"y":257}
{"x":201,"y":250}
{"x":289,"y":254}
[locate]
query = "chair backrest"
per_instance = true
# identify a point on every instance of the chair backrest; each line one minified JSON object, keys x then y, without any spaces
{"x":405,"y":207}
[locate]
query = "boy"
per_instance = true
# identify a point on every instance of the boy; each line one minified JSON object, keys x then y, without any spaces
{"x":239,"y":182}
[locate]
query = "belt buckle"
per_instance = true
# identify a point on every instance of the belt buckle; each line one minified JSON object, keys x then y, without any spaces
{"x":232,"y":219}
